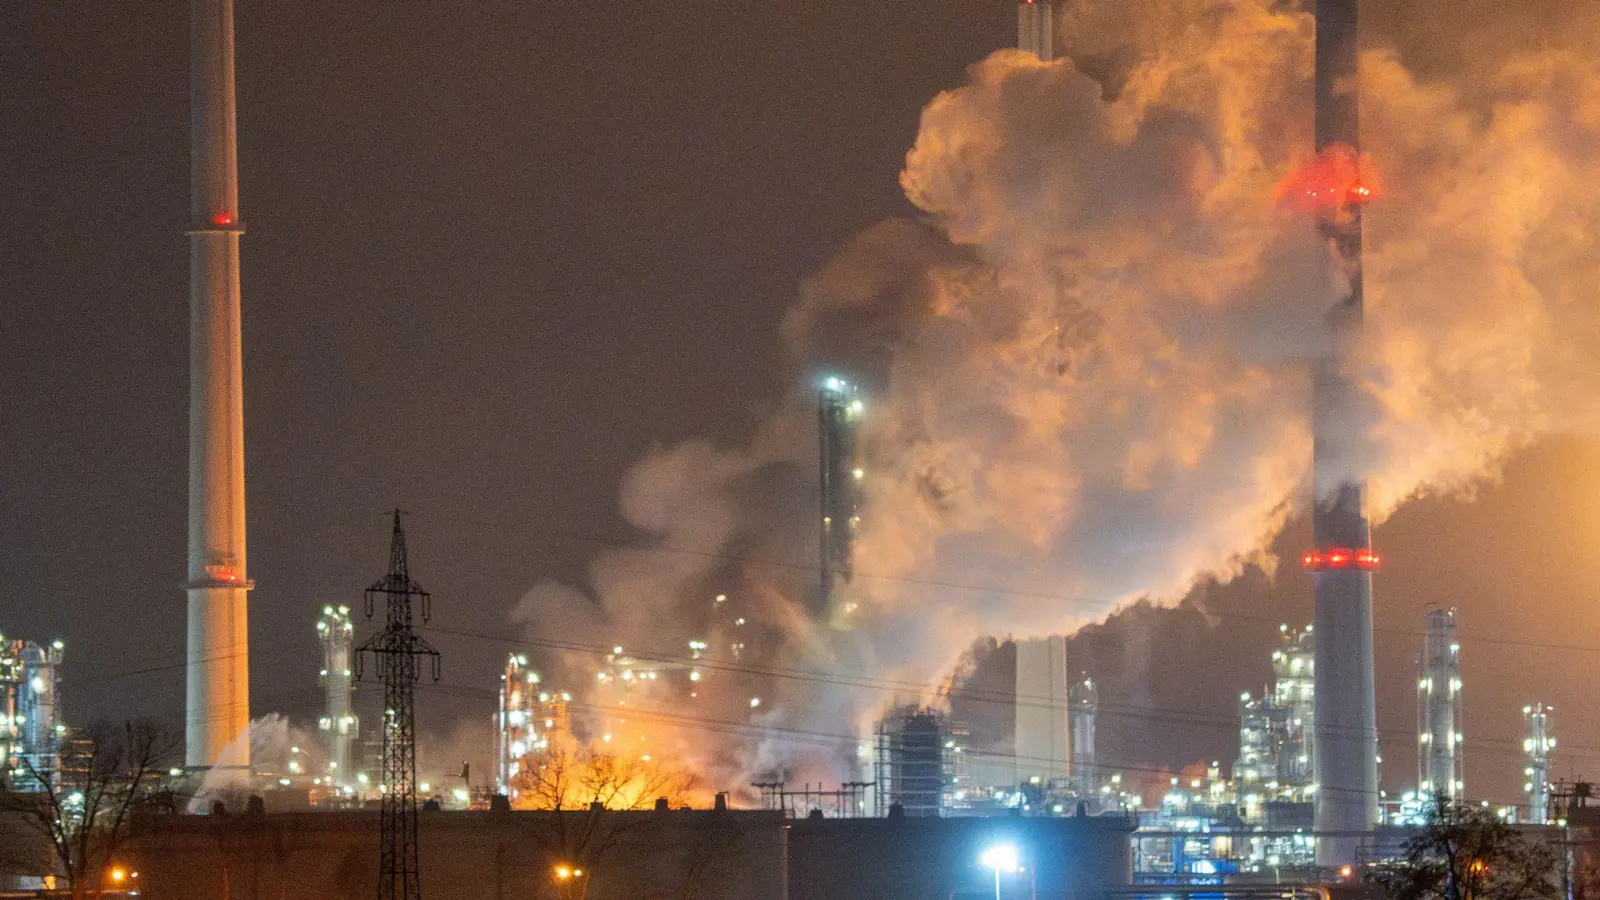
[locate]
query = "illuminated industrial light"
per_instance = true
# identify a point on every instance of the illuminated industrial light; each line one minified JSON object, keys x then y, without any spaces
{"x":1001,"y":858}
{"x":1342,"y":558}
{"x":755,"y":702}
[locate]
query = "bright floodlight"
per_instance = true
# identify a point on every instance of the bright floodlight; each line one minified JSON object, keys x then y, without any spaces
{"x":1000,"y":857}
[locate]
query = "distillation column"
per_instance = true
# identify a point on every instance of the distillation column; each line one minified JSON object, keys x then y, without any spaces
{"x":1536,"y":770}
{"x":1084,"y":702}
{"x":337,"y":634}
{"x":838,"y":422}
{"x":1439,"y":709}
{"x":218,"y":717}
{"x":1346,"y":735}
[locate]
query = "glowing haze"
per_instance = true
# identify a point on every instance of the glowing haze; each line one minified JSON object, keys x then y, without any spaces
{"x":1086,"y":364}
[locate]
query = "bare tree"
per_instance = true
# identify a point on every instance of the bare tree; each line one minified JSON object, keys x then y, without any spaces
{"x":581,"y":790}
{"x":85,"y":808}
{"x":1466,"y":852}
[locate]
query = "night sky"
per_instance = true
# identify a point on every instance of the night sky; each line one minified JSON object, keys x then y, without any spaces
{"x":498,"y":251}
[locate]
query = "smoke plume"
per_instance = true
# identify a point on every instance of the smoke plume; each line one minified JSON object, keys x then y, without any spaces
{"x":1087,"y":361}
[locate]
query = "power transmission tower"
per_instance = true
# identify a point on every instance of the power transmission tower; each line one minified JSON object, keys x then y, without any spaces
{"x":399,"y":652}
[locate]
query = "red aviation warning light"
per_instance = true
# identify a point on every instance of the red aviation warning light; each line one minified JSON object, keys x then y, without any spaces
{"x":1338,"y":178}
{"x":222,"y":219}
{"x":1334,"y":558}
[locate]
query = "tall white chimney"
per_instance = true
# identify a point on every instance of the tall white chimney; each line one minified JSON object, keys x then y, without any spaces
{"x":218,"y":719}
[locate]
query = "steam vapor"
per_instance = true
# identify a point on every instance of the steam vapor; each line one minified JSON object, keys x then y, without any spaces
{"x":1087,"y":362}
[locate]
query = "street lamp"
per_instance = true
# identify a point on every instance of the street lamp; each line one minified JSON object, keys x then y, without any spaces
{"x":565,"y":875}
{"x":1000,"y":858}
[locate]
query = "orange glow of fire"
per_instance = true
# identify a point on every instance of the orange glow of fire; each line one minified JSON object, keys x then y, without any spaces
{"x":1338,"y":179}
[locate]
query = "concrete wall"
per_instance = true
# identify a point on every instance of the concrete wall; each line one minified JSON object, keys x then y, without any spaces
{"x":921,"y":858}
{"x":465,"y":855}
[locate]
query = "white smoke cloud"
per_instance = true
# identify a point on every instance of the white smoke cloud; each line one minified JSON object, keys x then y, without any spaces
{"x":1088,"y":367}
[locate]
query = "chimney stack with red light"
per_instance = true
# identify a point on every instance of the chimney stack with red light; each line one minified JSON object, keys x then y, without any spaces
{"x":1345,"y":735}
{"x":218,"y":697}
{"x":1036,"y":28}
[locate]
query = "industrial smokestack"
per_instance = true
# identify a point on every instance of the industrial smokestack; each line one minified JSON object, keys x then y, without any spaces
{"x":218,"y":714}
{"x":1036,"y":28}
{"x":1346,"y":723}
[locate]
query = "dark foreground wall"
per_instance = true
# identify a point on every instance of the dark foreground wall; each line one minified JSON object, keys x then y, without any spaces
{"x":918,"y":858}
{"x":707,"y":855}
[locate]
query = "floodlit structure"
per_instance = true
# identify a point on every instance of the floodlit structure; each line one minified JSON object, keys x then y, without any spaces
{"x":339,"y":720}
{"x":1294,"y":690}
{"x":1083,"y":702}
{"x":218,"y":702}
{"x":914,"y":747}
{"x":31,"y":727}
{"x":1439,"y":769}
{"x":1273,"y":774}
{"x":1536,"y":749}
{"x":1036,"y":28}
{"x":1342,"y":562}
{"x":1043,"y":742}
{"x":531,"y":722}
{"x":839,"y":413}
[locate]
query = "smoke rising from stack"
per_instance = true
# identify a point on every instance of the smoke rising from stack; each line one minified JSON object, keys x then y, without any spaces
{"x":1087,"y":361}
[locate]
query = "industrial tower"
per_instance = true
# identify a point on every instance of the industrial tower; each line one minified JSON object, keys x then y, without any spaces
{"x":337,"y":634}
{"x":1084,"y":701}
{"x":1042,"y":742}
{"x":1536,"y":769}
{"x":530,"y":718}
{"x":838,"y":420}
{"x":1439,"y":769}
{"x":398,"y":650}
{"x":218,"y":702}
{"x":1036,"y":28}
{"x":30,"y":714}
{"x":1346,"y":734}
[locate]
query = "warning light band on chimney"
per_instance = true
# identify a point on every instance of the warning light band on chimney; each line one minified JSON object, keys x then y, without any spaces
{"x":1341,"y":558}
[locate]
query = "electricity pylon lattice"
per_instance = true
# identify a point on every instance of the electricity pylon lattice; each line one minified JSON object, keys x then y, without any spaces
{"x":398,"y":652}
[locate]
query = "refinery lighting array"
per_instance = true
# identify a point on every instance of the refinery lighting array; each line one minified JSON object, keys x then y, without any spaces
{"x":1342,"y":558}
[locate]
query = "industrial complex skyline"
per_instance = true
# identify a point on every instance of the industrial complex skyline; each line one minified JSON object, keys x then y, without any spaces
{"x":582,"y":264}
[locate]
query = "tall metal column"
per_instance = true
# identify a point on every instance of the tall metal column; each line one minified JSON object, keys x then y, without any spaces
{"x":1036,"y":28}
{"x":1536,"y":749}
{"x":1439,"y":764}
{"x":338,"y":719}
{"x":398,"y":651}
{"x":218,"y":702}
{"x":838,"y":420}
{"x":1346,"y":724}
